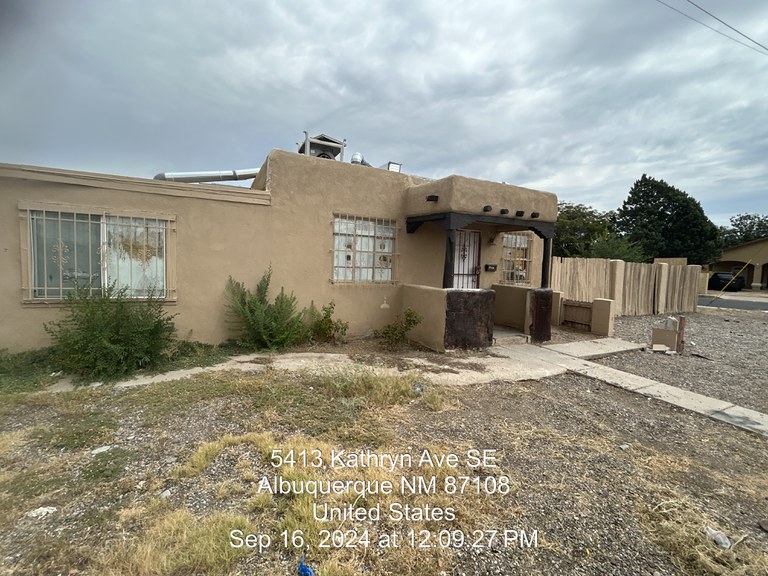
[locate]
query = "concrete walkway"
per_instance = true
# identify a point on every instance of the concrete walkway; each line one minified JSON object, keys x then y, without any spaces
{"x":718,"y":409}
{"x":507,"y":362}
{"x":595,"y":348}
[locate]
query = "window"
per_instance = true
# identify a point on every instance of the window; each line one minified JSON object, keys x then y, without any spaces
{"x":516,"y":258}
{"x":363,"y":249}
{"x":69,"y":249}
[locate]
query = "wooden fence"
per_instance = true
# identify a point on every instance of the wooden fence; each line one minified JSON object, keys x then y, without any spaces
{"x":637,"y":289}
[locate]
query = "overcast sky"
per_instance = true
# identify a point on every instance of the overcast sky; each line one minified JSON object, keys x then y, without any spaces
{"x":576,"y":97}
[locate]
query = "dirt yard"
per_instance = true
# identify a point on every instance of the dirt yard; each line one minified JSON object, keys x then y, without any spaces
{"x":591,"y":479}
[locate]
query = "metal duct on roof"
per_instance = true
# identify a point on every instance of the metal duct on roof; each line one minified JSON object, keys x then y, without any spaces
{"x":358,"y":158}
{"x":211,"y":176}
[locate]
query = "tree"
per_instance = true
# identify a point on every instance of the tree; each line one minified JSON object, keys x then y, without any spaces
{"x":583,"y":232}
{"x":577,"y":226}
{"x":744,"y":228}
{"x":612,"y":246}
{"x":666,"y":222}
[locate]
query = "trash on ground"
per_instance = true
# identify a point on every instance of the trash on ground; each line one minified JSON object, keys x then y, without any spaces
{"x":719,"y":538}
{"x":41,"y":512}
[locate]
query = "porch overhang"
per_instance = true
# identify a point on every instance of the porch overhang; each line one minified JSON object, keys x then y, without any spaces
{"x":459,"y":220}
{"x":453,"y":221}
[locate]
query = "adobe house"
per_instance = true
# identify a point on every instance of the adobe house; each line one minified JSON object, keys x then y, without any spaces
{"x":755,"y":253}
{"x":372,"y":240}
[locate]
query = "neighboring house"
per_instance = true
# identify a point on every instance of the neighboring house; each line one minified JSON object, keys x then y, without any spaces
{"x":755,"y":252}
{"x":371,"y":240}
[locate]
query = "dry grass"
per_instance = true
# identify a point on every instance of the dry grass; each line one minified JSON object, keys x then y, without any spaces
{"x":207,"y":452}
{"x":177,"y":543}
{"x":339,"y":409}
{"x":678,"y":524}
{"x":9,"y":442}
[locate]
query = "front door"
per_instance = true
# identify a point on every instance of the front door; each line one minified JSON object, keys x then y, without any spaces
{"x":466,"y":260}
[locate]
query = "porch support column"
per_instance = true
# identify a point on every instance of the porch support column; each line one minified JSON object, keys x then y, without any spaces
{"x":546,"y":264}
{"x":757,"y":277}
{"x":450,"y":252}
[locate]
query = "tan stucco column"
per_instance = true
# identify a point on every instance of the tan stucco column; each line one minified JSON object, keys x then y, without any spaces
{"x":757,"y":277}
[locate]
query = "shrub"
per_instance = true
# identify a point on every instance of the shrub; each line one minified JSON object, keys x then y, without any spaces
{"x":108,"y":335}
{"x":322,"y":327}
{"x":265,"y":325}
{"x":396,"y":333}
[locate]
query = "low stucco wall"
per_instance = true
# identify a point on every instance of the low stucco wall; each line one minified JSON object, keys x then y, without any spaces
{"x":430,"y":303}
{"x":512,"y":306}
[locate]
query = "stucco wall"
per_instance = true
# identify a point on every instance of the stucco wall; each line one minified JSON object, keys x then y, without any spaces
{"x":734,"y":258}
{"x":430,"y":303}
{"x":512,"y":306}
{"x":214,"y":237}
{"x":224,"y":230}
{"x":757,"y":251}
{"x":468,"y":195}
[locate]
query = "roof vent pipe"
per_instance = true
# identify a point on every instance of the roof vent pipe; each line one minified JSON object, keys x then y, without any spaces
{"x":216,"y":176}
{"x":358,"y":158}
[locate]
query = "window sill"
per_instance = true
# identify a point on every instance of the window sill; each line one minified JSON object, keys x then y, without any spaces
{"x":59,"y":303}
{"x":364,"y":283}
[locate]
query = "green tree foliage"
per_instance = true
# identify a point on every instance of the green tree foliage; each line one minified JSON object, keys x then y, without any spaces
{"x":583,"y":232}
{"x":666,"y":222}
{"x":108,"y":335}
{"x":612,"y":246}
{"x":576,"y":229}
{"x":265,"y":325}
{"x":744,"y":228}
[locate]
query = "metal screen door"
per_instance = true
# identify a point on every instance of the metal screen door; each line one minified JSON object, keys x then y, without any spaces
{"x":466,"y":262}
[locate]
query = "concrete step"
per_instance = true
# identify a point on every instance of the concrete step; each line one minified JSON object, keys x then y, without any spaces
{"x":504,"y":336}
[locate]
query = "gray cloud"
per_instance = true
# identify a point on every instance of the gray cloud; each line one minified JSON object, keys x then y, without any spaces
{"x":579,"y":98}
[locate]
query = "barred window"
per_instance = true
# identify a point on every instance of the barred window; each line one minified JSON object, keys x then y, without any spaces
{"x":516,"y":258}
{"x":363,"y":249}
{"x":93,"y":251}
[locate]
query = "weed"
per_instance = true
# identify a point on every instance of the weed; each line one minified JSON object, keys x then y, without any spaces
{"x":186,"y":354}
{"x":260,"y":501}
{"x":30,"y":484}
{"x":9,"y":441}
{"x":360,"y":383}
{"x":109,"y":335}
{"x":107,"y":466}
{"x":322,"y":327}
{"x":178,"y":543}
{"x":396,"y":333}
{"x":77,"y":431}
{"x":26,"y":371}
{"x":678,"y":524}
{"x":48,"y":554}
{"x":265,"y":325}
{"x":434,"y":399}
{"x":208,"y":451}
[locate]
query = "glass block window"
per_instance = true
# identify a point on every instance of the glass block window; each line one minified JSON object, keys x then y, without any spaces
{"x":516,"y":258}
{"x":92,"y":251}
{"x":363,"y":249}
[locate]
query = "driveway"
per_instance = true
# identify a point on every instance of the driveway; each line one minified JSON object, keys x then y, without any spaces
{"x":744,"y":300}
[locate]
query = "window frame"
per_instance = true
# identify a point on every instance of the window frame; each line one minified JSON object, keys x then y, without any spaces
{"x":26,"y":210}
{"x":515,"y":260}
{"x":376,"y":253}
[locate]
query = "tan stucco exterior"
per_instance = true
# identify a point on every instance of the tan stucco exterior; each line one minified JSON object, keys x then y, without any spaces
{"x":429,"y":303}
{"x":752,"y":254}
{"x":285,"y":220}
{"x":470,"y":196}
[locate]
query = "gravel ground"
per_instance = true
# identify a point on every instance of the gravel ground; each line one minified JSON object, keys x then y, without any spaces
{"x":613,"y":483}
{"x":724,"y":358}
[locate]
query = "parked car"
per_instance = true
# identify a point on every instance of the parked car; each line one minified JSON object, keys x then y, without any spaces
{"x":720,"y":280}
